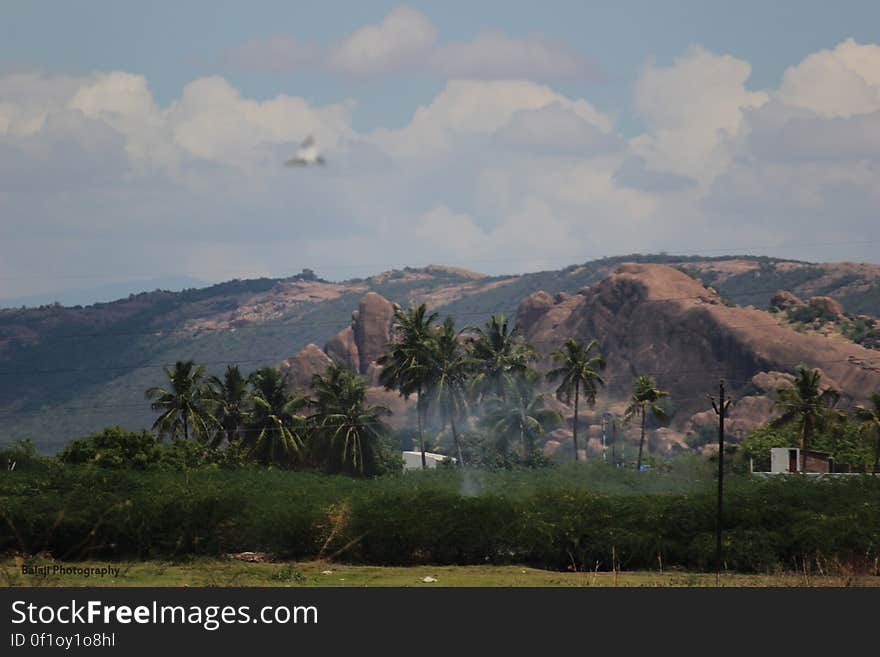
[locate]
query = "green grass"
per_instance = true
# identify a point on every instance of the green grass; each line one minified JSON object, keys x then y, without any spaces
{"x":234,"y":573}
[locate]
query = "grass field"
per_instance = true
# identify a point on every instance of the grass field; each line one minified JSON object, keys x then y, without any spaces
{"x":235,"y":573}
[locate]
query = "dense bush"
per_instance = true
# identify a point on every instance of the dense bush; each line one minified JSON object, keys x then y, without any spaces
{"x":863,"y":331}
{"x":21,"y":455}
{"x":843,"y":441}
{"x":119,"y":448}
{"x":571,"y":517}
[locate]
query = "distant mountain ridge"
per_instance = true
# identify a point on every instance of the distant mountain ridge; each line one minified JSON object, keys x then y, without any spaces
{"x":86,"y":296}
{"x":67,"y":371}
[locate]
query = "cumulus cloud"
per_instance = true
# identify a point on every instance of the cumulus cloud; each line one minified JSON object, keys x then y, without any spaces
{"x":471,"y":109}
{"x":495,"y":55}
{"x":635,"y":174}
{"x":213,"y":122}
{"x":557,"y":129}
{"x":405,"y":42}
{"x":841,"y":82}
{"x":504,"y":175}
{"x":403,"y":36}
{"x":693,"y":108}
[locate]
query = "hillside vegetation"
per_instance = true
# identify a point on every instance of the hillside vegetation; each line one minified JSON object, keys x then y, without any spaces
{"x":67,"y":372}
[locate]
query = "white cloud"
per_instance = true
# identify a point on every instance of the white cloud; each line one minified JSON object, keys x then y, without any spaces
{"x":693,"y":109}
{"x":26,"y":100}
{"x":557,"y":129}
{"x":506,"y":174}
{"x":841,"y":82}
{"x":405,"y":42}
{"x":405,"y":35}
{"x":467,"y":109}
{"x":213,"y":122}
{"x":495,"y":55}
{"x":444,"y":234}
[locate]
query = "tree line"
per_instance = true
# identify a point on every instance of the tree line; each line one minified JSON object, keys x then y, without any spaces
{"x":477,"y":377}
{"x":483,"y":378}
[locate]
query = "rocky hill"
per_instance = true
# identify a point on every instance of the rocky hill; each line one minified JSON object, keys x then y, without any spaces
{"x":66,"y":371}
{"x":657,"y":320}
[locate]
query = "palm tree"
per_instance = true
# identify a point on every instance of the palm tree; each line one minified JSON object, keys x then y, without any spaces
{"x":499,"y":355}
{"x":275,"y":434}
{"x":644,"y":400}
{"x":231,"y":400}
{"x":521,"y":413}
{"x":185,"y":406}
{"x":804,"y":404}
{"x":869,"y":418}
{"x":448,"y":387}
{"x":408,"y":365}
{"x":579,"y":370}
{"x":350,"y":431}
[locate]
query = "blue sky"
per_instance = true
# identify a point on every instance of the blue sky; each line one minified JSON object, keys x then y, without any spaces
{"x":455,"y":131}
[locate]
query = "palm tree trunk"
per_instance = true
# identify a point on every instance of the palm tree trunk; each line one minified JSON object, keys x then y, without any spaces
{"x":641,"y":442}
{"x":574,"y":427}
{"x":185,"y":427}
{"x":455,"y":438}
{"x":421,"y":430}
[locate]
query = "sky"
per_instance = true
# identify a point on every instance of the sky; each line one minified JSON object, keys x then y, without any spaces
{"x":144,"y":142}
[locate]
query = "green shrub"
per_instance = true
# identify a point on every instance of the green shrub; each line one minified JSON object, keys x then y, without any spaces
{"x":21,"y":455}
{"x":573,"y":517}
{"x":118,"y":448}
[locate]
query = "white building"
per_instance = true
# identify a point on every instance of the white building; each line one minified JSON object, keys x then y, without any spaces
{"x":788,"y":459}
{"x":413,"y":460}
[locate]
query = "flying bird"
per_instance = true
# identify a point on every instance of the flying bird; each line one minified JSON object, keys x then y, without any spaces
{"x":306,"y":155}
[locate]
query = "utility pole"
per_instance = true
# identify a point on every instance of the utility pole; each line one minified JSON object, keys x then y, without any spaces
{"x":720,"y":410}
{"x":604,"y":427}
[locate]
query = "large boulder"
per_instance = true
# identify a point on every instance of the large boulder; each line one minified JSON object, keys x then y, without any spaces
{"x":343,"y":349}
{"x":783,"y":300}
{"x":532,"y":307}
{"x":358,"y":346}
{"x":300,"y":369}
{"x":770,"y":382}
{"x":400,"y":408}
{"x":826,"y":305}
{"x":372,"y":328}
{"x":654,"y":319}
{"x":748,"y":413}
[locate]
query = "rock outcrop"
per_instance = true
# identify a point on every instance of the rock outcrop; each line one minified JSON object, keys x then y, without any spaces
{"x":783,"y":300}
{"x":371,"y":324}
{"x":342,"y":348}
{"x":654,"y":319}
{"x":300,"y":369}
{"x":826,"y":305}
{"x":358,"y":346}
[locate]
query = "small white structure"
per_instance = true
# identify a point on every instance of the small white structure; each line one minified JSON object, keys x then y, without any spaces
{"x":413,"y":460}
{"x":788,"y":459}
{"x":785,"y":459}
